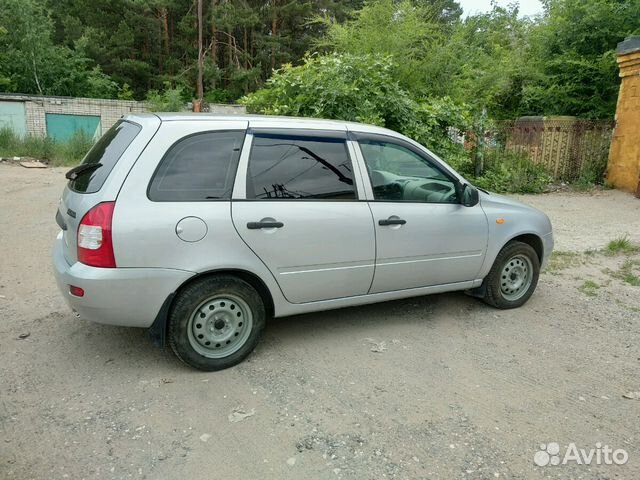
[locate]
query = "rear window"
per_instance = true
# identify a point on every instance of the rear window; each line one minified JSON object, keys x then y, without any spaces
{"x":106,"y":152}
{"x":199,"y":167}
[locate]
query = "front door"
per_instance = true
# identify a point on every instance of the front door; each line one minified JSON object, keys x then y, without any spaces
{"x":302,"y":216}
{"x":424,"y":236}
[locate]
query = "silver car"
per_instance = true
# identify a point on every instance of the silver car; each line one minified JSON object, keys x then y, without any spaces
{"x":200,"y":227}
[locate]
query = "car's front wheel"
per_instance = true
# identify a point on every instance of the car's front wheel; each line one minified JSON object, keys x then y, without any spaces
{"x":216,"y":322}
{"x":513,"y":277}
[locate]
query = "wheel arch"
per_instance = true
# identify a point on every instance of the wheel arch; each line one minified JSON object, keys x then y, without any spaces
{"x":531,"y":239}
{"x":157,"y":330}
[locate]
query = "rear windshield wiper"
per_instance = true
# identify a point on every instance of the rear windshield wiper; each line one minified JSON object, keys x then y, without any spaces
{"x":82,"y":169}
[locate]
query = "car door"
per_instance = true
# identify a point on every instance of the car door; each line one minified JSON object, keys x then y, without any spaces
{"x":424,"y":236}
{"x":299,"y":211}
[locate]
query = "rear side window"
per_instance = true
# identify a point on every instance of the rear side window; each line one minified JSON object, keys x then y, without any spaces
{"x":290,"y":167}
{"x":104,"y":154}
{"x":197,"y":168}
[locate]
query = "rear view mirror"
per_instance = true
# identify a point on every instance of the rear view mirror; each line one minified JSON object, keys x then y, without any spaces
{"x":470,"y":196}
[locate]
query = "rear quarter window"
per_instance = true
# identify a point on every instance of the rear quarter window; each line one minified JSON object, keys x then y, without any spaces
{"x":200,"y":167}
{"x":106,"y":152}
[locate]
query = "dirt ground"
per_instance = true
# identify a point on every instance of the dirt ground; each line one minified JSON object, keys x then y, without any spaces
{"x":459,"y":390}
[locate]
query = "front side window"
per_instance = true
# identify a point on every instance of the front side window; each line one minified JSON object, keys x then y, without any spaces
{"x":200,"y":167}
{"x":290,"y":167}
{"x":398,"y":173}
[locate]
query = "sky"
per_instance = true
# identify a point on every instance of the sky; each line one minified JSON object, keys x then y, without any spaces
{"x":527,"y":7}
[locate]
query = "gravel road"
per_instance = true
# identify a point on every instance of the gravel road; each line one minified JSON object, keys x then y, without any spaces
{"x":455,"y":389}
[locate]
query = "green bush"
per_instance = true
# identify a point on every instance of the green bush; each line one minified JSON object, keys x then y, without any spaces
{"x":512,"y":172}
{"x":357,"y":88}
{"x":361,"y":88}
{"x":170,"y":100}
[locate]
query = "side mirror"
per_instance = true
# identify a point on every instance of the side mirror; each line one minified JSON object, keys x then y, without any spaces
{"x":469,"y":196}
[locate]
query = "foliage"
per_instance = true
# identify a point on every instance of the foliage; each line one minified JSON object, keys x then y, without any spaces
{"x":403,"y":30}
{"x":561,"y":62}
{"x":170,"y":100}
{"x":512,"y":172}
{"x":589,"y":288}
{"x":357,"y":88}
{"x":572,"y":57}
{"x":627,"y":274}
{"x":30,"y":62}
{"x":45,"y":148}
{"x":621,"y":245}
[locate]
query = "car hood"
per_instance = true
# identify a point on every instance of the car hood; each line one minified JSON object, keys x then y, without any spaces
{"x":495,"y":199}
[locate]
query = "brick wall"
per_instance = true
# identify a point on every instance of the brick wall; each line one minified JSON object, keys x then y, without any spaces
{"x":109,"y":111}
{"x":36,"y":107}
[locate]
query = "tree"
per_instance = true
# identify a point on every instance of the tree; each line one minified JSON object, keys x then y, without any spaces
{"x":357,"y":88}
{"x":572,"y":49}
{"x":34,"y":64}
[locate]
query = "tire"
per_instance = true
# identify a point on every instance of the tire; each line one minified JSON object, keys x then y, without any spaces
{"x":216,"y":322}
{"x":501,"y":287}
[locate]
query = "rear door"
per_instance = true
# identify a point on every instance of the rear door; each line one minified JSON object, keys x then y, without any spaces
{"x":299,"y":211}
{"x":107,"y":164}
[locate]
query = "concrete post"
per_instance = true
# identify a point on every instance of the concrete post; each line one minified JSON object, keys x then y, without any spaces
{"x":623,"y":170}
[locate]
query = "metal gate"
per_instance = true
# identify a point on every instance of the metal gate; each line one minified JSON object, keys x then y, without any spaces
{"x":61,"y":127}
{"x":13,"y":117}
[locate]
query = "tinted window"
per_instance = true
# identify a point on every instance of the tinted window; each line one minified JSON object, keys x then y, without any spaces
{"x":106,"y":153}
{"x":198,"y":167}
{"x":398,"y":173}
{"x":288,"y":167}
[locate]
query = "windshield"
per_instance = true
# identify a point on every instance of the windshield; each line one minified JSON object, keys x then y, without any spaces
{"x":105,"y":153}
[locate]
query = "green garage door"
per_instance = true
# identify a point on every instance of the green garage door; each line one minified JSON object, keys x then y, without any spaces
{"x":62,"y":127}
{"x":12,"y":116}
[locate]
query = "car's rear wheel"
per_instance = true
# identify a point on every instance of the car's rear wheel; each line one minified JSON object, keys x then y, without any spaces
{"x":216,"y":322}
{"x":513,"y":277}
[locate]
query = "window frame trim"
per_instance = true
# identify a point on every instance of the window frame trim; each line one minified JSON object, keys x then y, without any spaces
{"x":358,"y":136}
{"x":194,"y":134}
{"x":240,"y":189}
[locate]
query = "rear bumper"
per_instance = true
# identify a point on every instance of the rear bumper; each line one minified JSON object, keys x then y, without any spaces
{"x":130,"y":297}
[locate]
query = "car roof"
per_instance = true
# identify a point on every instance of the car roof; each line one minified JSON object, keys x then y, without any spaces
{"x":264,"y":120}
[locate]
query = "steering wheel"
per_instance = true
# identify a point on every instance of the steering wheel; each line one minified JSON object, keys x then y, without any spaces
{"x":431,"y":191}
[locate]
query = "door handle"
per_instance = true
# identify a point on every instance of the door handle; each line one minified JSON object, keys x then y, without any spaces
{"x":258,"y":225}
{"x":391,"y":221}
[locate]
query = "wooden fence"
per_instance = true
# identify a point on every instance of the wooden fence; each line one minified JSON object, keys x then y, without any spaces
{"x":566,"y":147}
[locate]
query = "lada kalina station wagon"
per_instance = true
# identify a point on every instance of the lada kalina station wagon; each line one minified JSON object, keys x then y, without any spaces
{"x":201,"y":227}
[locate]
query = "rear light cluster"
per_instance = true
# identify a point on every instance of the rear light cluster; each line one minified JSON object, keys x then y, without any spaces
{"x":95,"y":245}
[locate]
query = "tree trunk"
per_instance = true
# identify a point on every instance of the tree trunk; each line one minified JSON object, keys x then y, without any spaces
{"x":246,"y":53}
{"x":164,"y":15}
{"x":274,"y":33}
{"x":214,"y":41}
{"x":200,"y":88}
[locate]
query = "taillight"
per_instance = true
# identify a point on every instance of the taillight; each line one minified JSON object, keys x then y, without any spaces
{"x":95,"y":246}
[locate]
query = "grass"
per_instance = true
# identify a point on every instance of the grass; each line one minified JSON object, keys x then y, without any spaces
{"x":589,"y":288}
{"x":45,"y":148}
{"x":626,"y":272}
{"x":627,"y":275}
{"x":562,"y":260}
{"x":621,"y":245}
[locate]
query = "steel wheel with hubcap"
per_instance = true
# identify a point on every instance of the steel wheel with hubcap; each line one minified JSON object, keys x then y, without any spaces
{"x":216,"y":322}
{"x":516,"y":277}
{"x":513,"y":276}
{"x":219,"y":326}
